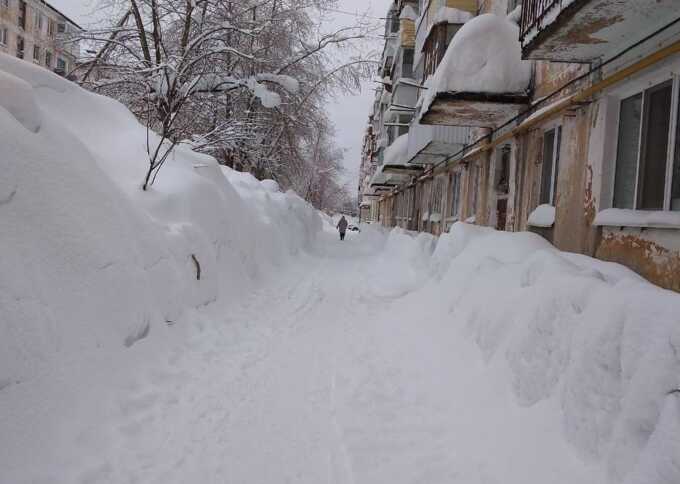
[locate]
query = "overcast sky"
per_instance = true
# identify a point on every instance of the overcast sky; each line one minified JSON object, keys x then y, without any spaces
{"x":348,"y":112}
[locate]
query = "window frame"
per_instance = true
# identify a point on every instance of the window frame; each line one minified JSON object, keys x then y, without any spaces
{"x":454,"y":191}
{"x":555,"y":162}
{"x":656,"y":84}
{"x":4,"y":34}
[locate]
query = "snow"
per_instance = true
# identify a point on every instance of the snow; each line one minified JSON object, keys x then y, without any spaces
{"x":396,"y":153}
{"x":392,"y":357}
{"x":542,"y":216}
{"x":484,"y":56}
{"x":408,"y":13}
{"x":451,"y":15}
{"x":88,"y":259}
{"x":618,"y":217}
{"x":269,"y":99}
{"x":289,"y":83}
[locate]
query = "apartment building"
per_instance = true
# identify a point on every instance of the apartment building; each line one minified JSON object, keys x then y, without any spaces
{"x":37,"y":32}
{"x":557,"y":117}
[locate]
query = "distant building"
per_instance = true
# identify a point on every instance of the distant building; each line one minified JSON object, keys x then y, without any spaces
{"x":37,"y":32}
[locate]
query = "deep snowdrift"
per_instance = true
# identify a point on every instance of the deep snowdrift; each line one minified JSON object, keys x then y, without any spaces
{"x":590,"y":339}
{"x":89,"y":260}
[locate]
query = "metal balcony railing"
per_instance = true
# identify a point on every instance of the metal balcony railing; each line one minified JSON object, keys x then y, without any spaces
{"x":534,"y":13}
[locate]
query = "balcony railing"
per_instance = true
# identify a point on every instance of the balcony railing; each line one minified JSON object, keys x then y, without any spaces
{"x":534,"y":13}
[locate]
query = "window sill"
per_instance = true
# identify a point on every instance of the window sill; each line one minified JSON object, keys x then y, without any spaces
{"x":656,"y":219}
{"x":542,"y":216}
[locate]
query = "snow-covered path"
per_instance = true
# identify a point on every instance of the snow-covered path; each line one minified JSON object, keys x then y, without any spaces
{"x":324,"y":375}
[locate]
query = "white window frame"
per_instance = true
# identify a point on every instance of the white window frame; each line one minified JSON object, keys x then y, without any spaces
{"x":672,"y":135}
{"x":559,"y":134}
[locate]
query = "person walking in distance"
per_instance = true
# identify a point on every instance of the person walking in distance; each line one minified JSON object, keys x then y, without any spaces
{"x":342,"y":227}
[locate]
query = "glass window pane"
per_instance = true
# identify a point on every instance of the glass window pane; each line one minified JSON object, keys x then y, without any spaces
{"x":546,"y":174}
{"x":655,"y":148}
{"x":627,"y":151}
{"x":675,"y":185}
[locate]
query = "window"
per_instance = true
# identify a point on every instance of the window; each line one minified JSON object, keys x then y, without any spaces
{"x":61,"y":66}
{"x":48,"y":59}
{"x":21,"y":21}
{"x":38,"y":21}
{"x":50,"y":28}
{"x":474,"y":189}
{"x":552,"y":139}
{"x":454,"y":194}
{"x":4,"y":4}
{"x":61,"y":28}
{"x":502,"y":175}
{"x":407,"y":63}
{"x":3,"y":36}
{"x":20,"y":47}
{"x":437,"y":196}
{"x":36,"y":53}
{"x":645,"y":162}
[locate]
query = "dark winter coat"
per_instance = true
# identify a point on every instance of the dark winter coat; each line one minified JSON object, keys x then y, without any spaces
{"x":342,"y":225}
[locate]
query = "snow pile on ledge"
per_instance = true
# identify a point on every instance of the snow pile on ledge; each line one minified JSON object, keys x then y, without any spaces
{"x":88,"y":261}
{"x":542,"y":216}
{"x":485,"y":56}
{"x":618,"y":217}
{"x":574,"y":343}
{"x":396,"y":153}
{"x":408,"y":13}
{"x":451,"y":15}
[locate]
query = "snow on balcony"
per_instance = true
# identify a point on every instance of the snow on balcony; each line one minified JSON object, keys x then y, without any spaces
{"x":482,"y":79}
{"x":429,"y":144}
{"x":396,"y":158}
{"x":584,"y":30}
{"x":439,"y":12}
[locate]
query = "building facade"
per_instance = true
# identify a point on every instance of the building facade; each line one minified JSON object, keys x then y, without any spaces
{"x":557,"y":117}
{"x":35,"y":31}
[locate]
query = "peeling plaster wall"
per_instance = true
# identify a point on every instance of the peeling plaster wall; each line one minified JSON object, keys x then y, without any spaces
{"x":652,"y":253}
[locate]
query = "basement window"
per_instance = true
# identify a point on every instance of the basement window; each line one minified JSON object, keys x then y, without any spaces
{"x":647,"y":173}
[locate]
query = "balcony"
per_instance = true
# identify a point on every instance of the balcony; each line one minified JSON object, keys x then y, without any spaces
{"x":482,"y":80}
{"x":430,"y":144}
{"x":585,"y":30}
{"x":441,"y":12}
{"x":396,"y":160}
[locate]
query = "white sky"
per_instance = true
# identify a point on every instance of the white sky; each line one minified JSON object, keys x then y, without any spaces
{"x":348,"y":112}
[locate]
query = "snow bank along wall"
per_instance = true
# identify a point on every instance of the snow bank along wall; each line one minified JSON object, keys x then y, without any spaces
{"x":563,"y":151}
{"x":89,"y":260}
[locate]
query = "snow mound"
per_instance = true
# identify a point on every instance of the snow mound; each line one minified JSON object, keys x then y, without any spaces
{"x":593,"y":339}
{"x":484,"y":56}
{"x":88,"y":261}
{"x":542,"y":216}
{"x":16,"y":97}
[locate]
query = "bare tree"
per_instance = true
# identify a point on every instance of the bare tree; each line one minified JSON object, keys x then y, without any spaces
{"x":246,"y":81}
